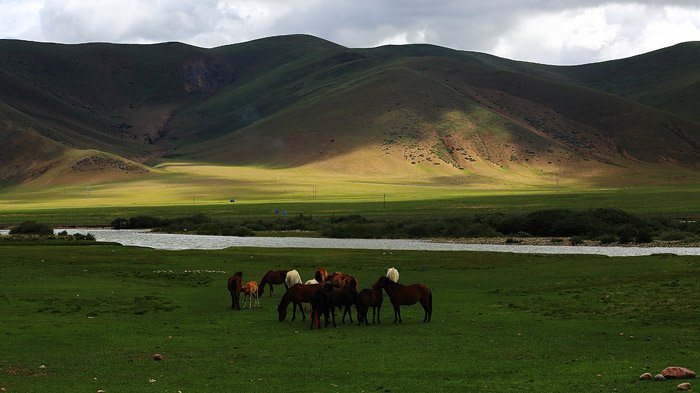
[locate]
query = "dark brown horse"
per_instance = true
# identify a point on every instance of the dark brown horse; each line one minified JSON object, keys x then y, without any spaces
{"x":369,"y":298}
{"x":406,"y":295}
{"x":297,"y":294}
{"x":343,"y":280}
{"x":234,"y":286}
{"x":272,"y":277}
{"x":341,"y":297}
{"x":321,"y":303}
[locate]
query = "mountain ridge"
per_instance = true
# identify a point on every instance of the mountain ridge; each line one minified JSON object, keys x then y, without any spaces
{"x":300,"y":100}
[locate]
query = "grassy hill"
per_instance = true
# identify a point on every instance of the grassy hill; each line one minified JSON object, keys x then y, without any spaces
{"x":97,"y":112}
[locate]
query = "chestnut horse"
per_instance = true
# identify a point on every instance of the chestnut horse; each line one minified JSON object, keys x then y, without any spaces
{"x":369,"y":298}
{"x":250,"y":293}
{"x":406,"y":295}
{"x":234,"y":286}
{"x":321,"y":274}
{"x":342,"y":280}
{"x":272,"y":277}
{"x":297,"y":294}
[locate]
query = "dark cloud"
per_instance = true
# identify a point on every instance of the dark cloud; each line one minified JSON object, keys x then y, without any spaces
{"x":552,"y":31}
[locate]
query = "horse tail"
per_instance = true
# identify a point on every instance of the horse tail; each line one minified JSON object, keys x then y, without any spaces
{"x":430,"y":304}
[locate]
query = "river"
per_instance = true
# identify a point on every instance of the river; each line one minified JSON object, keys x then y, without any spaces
{"x":167,"y":241}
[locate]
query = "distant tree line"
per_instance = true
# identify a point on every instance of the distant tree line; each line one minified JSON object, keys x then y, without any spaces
{"x":604,"y":225}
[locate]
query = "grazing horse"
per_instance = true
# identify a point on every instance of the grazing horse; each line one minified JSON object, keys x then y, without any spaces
{"x":369,"y":298}
{"x":292,"y":278}
{"x":234,"y":286}
{"x":250,"y":292}
{"x":297,"y":294}
{"x":342,"y":297}
{"x":406,"y":295}
{"x":272,"y":277}
{"x":321,"y":274}
{"x":321,"y":303}
{"x":392,"y":274}
{"x":342,"y":280}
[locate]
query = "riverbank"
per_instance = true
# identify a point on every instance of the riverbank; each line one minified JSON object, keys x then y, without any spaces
{"x":563,"y":241}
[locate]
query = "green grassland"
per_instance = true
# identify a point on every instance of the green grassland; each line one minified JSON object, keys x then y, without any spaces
{"x":258,"y":192}
{"x":94,"y":314}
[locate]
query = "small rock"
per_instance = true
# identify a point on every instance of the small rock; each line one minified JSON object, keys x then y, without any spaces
{"x":659,"y":377}
{"x":683,"y":386}
{"x":678,"y":372}
{"x":100,"y":391}
{"x":157,"y":357}
{"x":151,"y":380}
{"x":3,"y":390}
{"x":42,"y":366}
{"x":645,"y":376}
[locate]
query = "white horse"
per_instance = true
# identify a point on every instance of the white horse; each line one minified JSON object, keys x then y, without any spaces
{"x":292,"y":278}
{"x":311,"y":282}
{"x":392,"y":274}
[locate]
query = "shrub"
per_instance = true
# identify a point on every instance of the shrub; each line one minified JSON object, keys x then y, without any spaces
{"x":120,"y":223}
{"x":644,"y":236}
{"x":31,"y":228}
{"x":576,"y":240}
{"x":607,"y":239}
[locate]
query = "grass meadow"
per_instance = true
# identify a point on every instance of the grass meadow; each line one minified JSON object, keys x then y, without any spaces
{"x":81,"y":316}
{"x":186,"y":189}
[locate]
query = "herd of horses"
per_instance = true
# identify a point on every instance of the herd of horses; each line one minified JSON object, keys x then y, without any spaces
{"x":327,"y":292}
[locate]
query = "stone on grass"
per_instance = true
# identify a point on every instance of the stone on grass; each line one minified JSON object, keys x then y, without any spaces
{"x":157,"y":357}
{"x":645,"y":376}
{"x":659,"y":377}
{"x":678,"y":372}
{"x":683,"y":386}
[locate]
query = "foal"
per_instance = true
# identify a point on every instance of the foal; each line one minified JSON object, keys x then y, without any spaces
{"x":250,"y":292}
{"x":369,"y":298}
{"x":406,"y":295}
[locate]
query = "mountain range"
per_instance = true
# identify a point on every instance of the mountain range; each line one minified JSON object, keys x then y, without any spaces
{"x":99,"y":111}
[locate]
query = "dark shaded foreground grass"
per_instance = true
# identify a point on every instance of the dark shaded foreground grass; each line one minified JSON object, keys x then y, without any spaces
{"x":94,"y":314}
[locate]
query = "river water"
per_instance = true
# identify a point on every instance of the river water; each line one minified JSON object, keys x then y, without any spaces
{"x":167,"y":241}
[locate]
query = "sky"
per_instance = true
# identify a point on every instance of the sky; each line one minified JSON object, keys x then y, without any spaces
{"x":543,"y":31}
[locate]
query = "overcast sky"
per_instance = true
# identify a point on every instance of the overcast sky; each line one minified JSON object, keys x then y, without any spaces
{"x":543,"y":31}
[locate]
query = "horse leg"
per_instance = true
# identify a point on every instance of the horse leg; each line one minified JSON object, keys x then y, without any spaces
{"x":294,"y":311}
{"x":301,"y":308}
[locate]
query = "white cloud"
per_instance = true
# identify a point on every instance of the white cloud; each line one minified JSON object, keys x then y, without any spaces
{"x":599,"y":33}
{"x":19,"y":19}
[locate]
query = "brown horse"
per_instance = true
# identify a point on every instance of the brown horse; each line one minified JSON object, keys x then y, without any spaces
{"x":321,"y":274}
{"x":343,"y":280}
{"x":272,"y":277}
{"x":297,"y":294}
{"x":234,"y":286}
{"x":369,"y":298}
{"x":406,"y":295}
